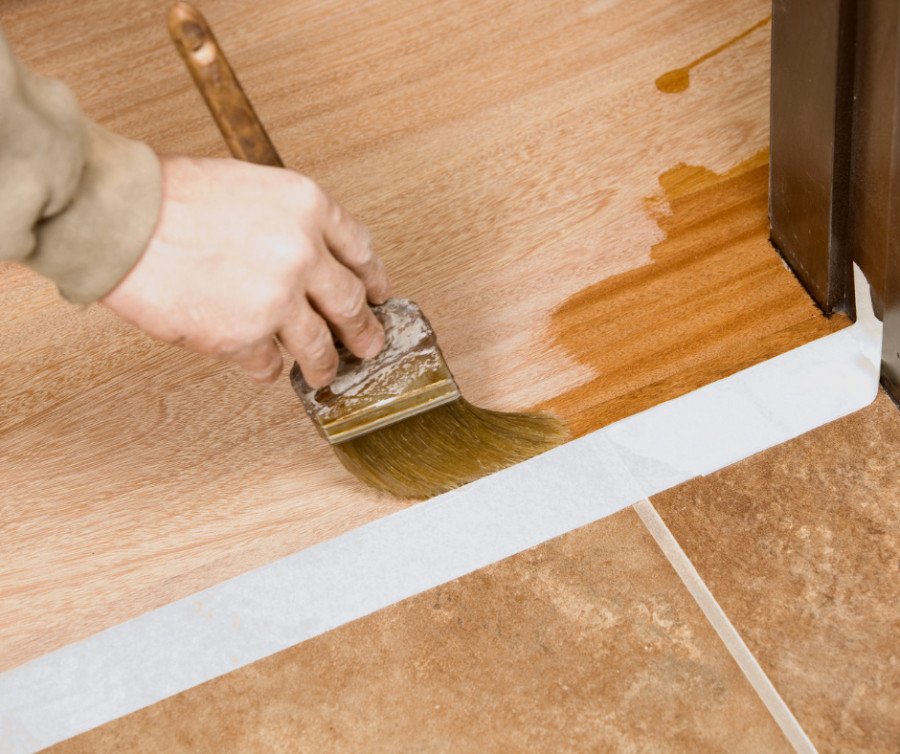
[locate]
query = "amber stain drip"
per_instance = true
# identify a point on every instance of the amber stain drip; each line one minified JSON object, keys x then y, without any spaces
{"x":679,"y":79}
{"x":716,"y":298}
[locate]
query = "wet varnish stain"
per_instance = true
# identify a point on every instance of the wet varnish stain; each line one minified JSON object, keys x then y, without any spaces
{"x":679,"y":79}
{"x":715,"y":299}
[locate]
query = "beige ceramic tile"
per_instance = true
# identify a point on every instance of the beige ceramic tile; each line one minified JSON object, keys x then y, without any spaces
{"x":801,"y":547}
{"x":587,"y":643}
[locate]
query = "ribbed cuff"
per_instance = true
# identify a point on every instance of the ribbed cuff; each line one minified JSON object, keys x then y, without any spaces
{"x":90,"y":246}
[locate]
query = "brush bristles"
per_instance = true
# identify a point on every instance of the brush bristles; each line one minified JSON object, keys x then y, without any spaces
{"x":446,"y":447}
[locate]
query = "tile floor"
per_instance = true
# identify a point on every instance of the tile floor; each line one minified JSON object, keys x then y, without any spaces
{"x":801,"y":547}
{"x":591,"y":642}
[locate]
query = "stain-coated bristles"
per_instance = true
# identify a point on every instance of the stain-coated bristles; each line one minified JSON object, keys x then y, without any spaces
{"x":446,"y":447}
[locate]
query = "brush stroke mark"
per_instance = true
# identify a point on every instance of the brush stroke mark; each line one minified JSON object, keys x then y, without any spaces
{"x":679,"y":79}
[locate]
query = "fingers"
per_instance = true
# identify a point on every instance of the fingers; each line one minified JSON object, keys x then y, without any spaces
{"x":340,"y":297}
{"x":333,"y":305}
{"x":261,"y":360}
{"x":349,"y":241}
{"x":309,"y":340}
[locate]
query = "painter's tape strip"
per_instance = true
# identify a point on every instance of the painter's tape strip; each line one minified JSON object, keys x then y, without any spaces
{"x":262,"y":612}
{"x":188,"y":642}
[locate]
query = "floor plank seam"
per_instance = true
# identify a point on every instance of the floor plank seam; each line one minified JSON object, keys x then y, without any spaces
{"x":729,"y":635}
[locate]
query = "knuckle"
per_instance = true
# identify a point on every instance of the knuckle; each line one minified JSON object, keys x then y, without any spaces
{"x":372,"y":273}
{"x":291,"y":278}
{"x":309,"y":196}
{"x":224,"y":344}
{"x":353,"y":309}
{"x":272,"y":301}
{"x":321,"y":352}
{"x":361,"y":249}
{"x":365,"y":238}
{"x":243,"y":338}
{"x":265,"y":372}
{"x":309,"y":255}
{"x":361,"y":260}
{"x":230,"y":348}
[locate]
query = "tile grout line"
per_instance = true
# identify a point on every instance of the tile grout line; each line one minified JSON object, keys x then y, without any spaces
{"x":732,"y":640}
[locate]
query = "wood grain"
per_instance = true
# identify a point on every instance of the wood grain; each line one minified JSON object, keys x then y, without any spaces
{"x":502,"y":154}
{"x":714,"y":300}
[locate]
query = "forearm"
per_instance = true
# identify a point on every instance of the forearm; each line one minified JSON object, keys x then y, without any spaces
{"x":77,"y":203}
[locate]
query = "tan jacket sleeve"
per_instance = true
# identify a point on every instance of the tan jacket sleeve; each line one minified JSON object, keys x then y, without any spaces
{"x":77,"y":203}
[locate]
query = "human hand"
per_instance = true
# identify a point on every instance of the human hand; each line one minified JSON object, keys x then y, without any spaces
{"x":242,"y":254}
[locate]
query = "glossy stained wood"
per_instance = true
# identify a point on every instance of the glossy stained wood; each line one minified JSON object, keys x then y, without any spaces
{"x":502,"y":154}
{"x":714,"y":299}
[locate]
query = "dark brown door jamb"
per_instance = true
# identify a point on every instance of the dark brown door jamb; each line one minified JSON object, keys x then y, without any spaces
{"x":812,"y":80}
{"x":834,"y":193}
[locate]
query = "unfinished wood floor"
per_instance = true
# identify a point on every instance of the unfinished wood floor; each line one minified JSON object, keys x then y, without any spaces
{"x":580,"y":239}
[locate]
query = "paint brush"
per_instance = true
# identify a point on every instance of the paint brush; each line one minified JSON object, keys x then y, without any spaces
{"x":398,"y":421}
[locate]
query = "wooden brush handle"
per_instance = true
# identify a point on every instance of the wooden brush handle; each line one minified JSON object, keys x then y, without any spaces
{"x":230,"y":108}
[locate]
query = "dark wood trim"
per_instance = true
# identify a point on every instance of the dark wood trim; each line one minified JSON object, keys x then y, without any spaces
{"x":809,"y":185}
{"x":835,"y":154}
{"x":888,"y":65}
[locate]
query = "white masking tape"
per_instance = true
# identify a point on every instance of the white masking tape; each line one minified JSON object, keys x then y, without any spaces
{"x":183,"y":644}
